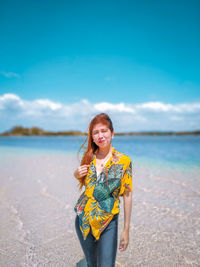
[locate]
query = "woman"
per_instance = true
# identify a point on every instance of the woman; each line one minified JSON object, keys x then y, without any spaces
{"x":106,"y":175}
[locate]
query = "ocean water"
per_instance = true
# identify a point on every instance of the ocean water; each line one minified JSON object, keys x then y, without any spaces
{"x":180,"y":151}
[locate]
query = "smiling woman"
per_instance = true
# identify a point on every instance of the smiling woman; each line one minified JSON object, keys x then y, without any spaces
{"x":106,"y":175}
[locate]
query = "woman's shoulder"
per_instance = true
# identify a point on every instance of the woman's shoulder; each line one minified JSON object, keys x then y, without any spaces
{"x":122,"y":156}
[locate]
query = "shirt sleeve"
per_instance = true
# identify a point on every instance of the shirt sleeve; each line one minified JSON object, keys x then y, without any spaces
{"x":126,"y":180}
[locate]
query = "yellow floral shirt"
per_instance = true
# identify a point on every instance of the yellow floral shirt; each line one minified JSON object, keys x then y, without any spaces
{"x":100,"y":201}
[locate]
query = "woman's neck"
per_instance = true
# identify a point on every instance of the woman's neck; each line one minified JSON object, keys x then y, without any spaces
{"x":102,"y":152}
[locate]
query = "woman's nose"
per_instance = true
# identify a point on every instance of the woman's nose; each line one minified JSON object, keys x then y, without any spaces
{"x":100,"y":134}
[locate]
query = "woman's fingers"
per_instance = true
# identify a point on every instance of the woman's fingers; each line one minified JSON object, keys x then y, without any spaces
{"x":82,"y":173}
{"x":121,"y":248}
{"x":123,"y":245}
{"x":82,"y":170}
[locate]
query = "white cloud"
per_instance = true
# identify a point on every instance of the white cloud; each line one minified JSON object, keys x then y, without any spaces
{"x":104,"y":107}
{"x":10,"y":102}
{"x":9,"y":74}
{"x":8,"y":97}
{"x":51,"y":115}
{"x":47,"y":104}
{"x":155,"y":106}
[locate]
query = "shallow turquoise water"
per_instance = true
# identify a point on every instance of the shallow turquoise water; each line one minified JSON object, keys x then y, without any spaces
{"x":170,"y":150}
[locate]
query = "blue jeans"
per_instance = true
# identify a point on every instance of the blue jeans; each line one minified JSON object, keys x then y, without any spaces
{"x":102,"y":252}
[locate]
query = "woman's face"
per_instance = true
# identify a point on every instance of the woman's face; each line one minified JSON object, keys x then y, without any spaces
{"x":102,"y":135}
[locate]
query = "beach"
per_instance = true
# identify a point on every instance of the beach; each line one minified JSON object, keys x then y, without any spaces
{"x":38,"y":193}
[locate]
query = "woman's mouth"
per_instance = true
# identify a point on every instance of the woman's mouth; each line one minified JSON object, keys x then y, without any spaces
{"x":101,"y":141}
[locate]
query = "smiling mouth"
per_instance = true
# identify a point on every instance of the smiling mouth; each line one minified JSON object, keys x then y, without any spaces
{"x":101,"y":141}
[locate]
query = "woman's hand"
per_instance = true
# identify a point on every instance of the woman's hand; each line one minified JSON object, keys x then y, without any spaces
{"x":124,"y":240}
{"x":81,"y":171}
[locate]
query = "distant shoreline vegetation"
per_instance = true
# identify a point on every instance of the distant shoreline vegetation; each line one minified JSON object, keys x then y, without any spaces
{"x":35,"y":131}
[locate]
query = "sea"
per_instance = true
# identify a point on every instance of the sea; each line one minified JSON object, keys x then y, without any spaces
{"x":172,"y":151}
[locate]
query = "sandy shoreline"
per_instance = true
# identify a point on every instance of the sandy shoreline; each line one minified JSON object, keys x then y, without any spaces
{"x":37,"y":195}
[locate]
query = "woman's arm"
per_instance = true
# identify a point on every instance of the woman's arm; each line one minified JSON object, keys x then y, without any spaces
{"x":124,"y":240}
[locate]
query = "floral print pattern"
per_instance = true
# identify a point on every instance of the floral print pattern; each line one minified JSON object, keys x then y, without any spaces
{"x":100,"y":201}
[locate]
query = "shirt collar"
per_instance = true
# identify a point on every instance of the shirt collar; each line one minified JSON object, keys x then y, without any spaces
{"x":109,"y":160}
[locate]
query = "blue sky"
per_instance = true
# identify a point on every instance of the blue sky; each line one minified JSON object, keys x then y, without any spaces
{"x":62,"y":62}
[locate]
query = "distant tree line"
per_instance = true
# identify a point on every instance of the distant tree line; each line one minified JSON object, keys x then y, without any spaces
{"x":19,"y":130}
{"x":35,"y":131}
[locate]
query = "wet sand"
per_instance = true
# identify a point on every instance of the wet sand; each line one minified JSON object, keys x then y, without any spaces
{"x":37,"y":195}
